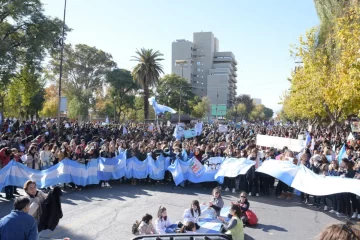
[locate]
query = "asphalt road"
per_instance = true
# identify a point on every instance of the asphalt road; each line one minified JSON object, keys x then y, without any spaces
{"x":108,"y":213}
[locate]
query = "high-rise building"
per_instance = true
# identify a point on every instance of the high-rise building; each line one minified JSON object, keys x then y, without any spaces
{"x":212,"y":73}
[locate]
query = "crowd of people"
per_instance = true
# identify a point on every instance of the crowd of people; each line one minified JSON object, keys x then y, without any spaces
{"x":41,"y":144}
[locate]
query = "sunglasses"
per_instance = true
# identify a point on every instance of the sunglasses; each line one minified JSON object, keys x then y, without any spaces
{"x":243,"y":196}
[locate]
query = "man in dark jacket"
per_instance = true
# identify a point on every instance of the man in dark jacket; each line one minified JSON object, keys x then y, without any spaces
{"x":19,"y":225}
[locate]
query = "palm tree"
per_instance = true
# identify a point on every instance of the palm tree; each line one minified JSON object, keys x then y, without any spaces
{"x":147,"y":72}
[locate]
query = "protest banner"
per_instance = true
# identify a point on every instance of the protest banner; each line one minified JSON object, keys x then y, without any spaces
{"x":355,"y":126}
{"x":223,"y":128}
{"x":190,"y":133}
{"x":295,"y":145}
{"x":196,"y":167}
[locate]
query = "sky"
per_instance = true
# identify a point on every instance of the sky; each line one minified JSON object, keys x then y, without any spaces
{"x":259,"y":33}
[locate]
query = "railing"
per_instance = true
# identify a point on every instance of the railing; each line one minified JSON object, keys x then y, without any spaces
{"x":185,"y":236}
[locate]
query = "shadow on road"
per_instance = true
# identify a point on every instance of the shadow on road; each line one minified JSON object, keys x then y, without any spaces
{"x":267,"y":228}
{"x":60,"y":233}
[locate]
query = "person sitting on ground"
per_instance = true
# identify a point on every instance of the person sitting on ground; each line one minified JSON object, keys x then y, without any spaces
{"x":234,"y":227}
{"x":19,"y":225}
{"x":216,"y":202}
{"x":193,"y":213}
{"x":145,"y":227}
{"x":244,"y":206}
{"x":189,"y":227}
{"x":36,"y":198}
{"x":162,"y":223}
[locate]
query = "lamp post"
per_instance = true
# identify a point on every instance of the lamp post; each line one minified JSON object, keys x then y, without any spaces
{"x":61,"y":68}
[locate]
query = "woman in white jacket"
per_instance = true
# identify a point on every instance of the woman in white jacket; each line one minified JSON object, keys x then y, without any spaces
{"x":193,"y":213}
{"x":45,"y":156}
{"x":162,"y":223}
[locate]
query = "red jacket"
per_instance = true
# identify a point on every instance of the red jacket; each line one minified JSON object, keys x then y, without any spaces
{"x":4,"y":159}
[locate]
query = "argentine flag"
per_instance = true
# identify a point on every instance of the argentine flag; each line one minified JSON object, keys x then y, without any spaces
{"x":308,"y":139}
{"x":342,"y":153}
{"x":158,"y":108}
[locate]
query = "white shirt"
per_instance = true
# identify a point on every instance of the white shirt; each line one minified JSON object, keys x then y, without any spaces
{"x":188,"y":217}
{"x":161,"y":225}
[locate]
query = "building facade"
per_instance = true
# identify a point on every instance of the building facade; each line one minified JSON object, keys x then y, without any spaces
{"x":211,"y":73}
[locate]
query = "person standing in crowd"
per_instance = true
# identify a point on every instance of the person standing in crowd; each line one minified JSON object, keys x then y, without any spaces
{"x":32,"y":158}
{"x":45,"y":157}
{"x":5,"y":157}
{"x":19,"y":225}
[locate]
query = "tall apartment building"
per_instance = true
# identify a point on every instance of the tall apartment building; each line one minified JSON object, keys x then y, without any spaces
{"x":212,"y":73}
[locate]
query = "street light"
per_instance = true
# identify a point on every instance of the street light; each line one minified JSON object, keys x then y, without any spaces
{"x":61,"y":68}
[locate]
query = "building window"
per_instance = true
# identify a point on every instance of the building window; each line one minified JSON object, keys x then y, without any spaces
{"x":198,"y":69}
{"x":198,"y":63}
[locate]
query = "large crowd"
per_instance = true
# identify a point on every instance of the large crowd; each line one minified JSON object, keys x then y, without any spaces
{"x":40,"y":144}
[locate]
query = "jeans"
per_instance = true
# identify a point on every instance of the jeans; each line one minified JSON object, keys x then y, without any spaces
{"x":171,"y":228}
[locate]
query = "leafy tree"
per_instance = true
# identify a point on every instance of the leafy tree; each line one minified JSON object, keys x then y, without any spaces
{"x":84,"y":71}
{"x":26,"y":94}
{"x":26,"y":34}
{"x":121,"y":91}
{"x":328,"y":85}
{"x":238,"y":111}
{"x":269,"y":113}
{"x":202,"y":108}
{"x":147,"y":72}
{"x":257,"y":113}
{"x":247,"y":101}
{"x":50,"y":107}
{"x":171,"y":88}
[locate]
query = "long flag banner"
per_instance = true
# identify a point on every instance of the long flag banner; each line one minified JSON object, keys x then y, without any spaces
{"x":213,"y":169}
{"x":304,"y":180}
{"x":67,"y":171}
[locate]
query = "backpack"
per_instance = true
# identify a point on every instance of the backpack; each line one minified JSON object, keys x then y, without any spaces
{"x":134,"y":228}
{"x":252,"y":218}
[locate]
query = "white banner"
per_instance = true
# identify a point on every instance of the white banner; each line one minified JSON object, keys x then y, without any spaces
{"x":309,"y":182}
{"x":279,"y":142}
{"x":223,"y":128}
{"x":233,"y":167}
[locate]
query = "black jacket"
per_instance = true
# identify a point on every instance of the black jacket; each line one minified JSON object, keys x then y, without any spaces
{"x":51,"y":210}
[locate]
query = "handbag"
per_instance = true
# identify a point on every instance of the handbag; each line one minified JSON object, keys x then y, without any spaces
{"x":252,"y":218}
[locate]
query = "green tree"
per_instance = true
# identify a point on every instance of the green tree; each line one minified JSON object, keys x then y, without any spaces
{"x":238,"y":111}
{"x":201,"y":109}
{"x":84,"y":71}
{"x":50,"y":106}
{"x":26,"y":35}
{"x":26,"y":93}
{"x":269,"y":113}
{"x":121,"y":92}
{"x":248,"y":102}
{"x":175,"y":91}
{"x":147,"y":72}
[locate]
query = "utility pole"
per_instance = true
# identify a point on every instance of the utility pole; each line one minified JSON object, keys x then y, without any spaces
{"x":61,"y":68}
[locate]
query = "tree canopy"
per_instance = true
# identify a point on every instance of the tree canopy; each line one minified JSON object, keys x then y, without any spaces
{"x":327,"y":86}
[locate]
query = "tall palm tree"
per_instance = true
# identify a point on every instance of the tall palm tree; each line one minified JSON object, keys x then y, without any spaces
{"x":147,"y":72}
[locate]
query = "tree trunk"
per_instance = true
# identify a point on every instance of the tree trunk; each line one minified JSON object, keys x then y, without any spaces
{"x":146,"y":99}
